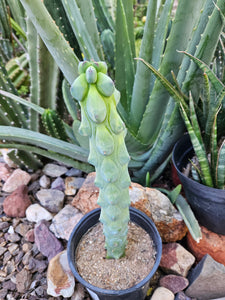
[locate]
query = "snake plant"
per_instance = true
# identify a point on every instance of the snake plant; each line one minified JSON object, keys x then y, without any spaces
{"x":204,"y":120}
{"x":151,"y":116}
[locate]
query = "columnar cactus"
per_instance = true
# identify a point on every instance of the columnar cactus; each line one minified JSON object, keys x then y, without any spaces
{"x":98,"y":98}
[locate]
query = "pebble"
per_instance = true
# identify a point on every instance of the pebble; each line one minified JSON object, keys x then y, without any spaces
{"x":5,"y":171}
{"x":54,"y":170}
{"x":64,"y":222}
{"x":176,"y":259}
{"x":23,"y":280}
{"x":45,"y":181}
{"x":58,"y":184}
{"x":162,"y":293}
{"x":52,"y":200}
{"x":36,"y":213}
{"x":174,"y":283}
{"x":15,"y":205}
{"x":59,"y":277}
{"x":74,"y":172}
{"x":72,"y":184}
{"x":46,"y":241}
{"x":17,"y":178}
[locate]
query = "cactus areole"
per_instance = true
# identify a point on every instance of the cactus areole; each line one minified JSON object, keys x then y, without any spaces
{"x":98,"y":98}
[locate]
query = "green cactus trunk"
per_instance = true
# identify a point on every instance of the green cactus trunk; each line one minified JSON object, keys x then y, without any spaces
{"x":100,"y":121}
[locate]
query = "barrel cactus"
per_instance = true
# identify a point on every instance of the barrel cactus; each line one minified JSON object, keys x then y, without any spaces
{"x":101,"y":122}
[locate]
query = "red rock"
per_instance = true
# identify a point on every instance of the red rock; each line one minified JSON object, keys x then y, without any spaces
{"x":29,"y":236}
{"x":15,"y":205}
{"x":176,"y":259}
{"x":5,"y":171}
{"x":211,"y":243}
{"x":174,"y":283}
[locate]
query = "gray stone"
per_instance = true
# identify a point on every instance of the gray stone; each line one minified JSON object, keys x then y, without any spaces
{"x":74,"y":172}
{"x":58,"y":184}
{"x":23,"y":280}
{"x":54,"y":170}
{"x":52,"y":200}
{"x":44,"y":181}
{"x":182,"y":296}
{"x":206,"y":280}
{"x":64,"y":222}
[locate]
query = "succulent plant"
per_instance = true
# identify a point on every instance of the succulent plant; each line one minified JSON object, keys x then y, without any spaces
{"x":101,"y":122}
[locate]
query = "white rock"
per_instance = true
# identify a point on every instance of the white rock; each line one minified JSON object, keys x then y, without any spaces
{"x":36,"y":213}
{"x":44,"y":181}
{"x":60,"y":279}
{"x":162,"y":293}
{"x":54,"y":170}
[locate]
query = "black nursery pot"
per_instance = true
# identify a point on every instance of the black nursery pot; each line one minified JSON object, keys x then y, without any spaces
{"x":136,"y":292}
{"x":207,"y":203}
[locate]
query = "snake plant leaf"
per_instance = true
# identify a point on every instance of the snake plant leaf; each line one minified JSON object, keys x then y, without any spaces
{"x":221,"y":167}
{"x":199,"y":151}
{"x":189,"y":218}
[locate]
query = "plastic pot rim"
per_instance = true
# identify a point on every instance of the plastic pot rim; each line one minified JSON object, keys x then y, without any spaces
{"x":139,"y":285}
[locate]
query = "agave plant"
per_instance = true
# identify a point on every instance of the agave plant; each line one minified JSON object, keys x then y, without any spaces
{"x":107,"y":33}
{"x":204,"y":124}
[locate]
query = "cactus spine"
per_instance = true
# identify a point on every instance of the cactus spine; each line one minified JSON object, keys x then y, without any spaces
{"x":98,"y":98}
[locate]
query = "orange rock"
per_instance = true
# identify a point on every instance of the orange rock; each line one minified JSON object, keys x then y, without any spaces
{"x":211,"y":243}
{"x":152,"y":202}
{"x":87,"y":196}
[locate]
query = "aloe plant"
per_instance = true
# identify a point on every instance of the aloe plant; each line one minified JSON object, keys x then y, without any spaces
{"x":101,"y":122}
{"x":151,"y":116}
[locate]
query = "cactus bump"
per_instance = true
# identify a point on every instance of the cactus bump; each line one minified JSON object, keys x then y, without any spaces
{"x":98,"y":99}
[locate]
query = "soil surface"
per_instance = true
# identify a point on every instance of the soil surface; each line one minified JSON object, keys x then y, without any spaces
{"x":110,"y":273}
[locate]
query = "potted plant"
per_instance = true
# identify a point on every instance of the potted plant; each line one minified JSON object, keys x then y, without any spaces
{"x":203,"y":148}
{"x":98,"y":98}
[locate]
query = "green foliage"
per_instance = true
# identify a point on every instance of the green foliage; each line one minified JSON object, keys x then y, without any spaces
{"x":151,"y":116}
{"x":200,"y":117}
{"x":98,"y":98}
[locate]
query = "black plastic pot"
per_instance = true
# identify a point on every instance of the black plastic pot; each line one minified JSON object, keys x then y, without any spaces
{"x":136,"y":292}
{"x":208,"y":204}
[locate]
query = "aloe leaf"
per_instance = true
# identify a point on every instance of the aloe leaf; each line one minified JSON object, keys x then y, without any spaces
{"x":141,"y":88}
{"x":52,"y":37}
{"x":83,"y":23}
{"x":221,"y":167}
{"x":194,"y":120}
{"x":189,"y":218}
{"x":69,"y":101}
{"x":186,"y":18}
{"x":41,"y":140}
{"x":35,"y":107}
{"x":213,"y":149}
{"x":18,"y":14}
{"x":52,"y":155}
{"x":103,"y":14}
{"x":124,"y":52}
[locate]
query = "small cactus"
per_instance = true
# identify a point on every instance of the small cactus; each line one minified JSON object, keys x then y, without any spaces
{"x":98,"y":98}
